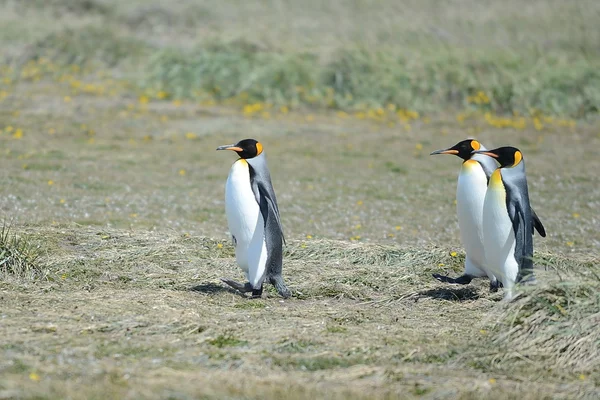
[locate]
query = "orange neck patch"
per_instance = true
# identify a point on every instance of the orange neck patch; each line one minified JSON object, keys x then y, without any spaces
{"x":496,"y":178}
{"x":259,"y":148}
{"x":470,"y":163}
{"x":475,"y":145}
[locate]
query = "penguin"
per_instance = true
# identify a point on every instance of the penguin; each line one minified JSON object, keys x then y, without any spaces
{"x":253,"y":220}
{"x":470,"y":193}
{"x":508,"y":221}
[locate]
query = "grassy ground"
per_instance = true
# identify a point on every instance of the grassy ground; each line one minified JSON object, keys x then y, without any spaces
{"x":121,"y":193}
{"x":351,"y":55}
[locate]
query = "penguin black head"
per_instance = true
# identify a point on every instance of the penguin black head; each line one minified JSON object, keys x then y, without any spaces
{"x":462,"y":149}
{"x":247,"y":148}
{"x":507,"y":156}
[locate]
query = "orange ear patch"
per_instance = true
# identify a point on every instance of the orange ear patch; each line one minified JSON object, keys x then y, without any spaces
{"x":259,"y":148}
{"x":518,"y":158}
{"x":475,"y":145}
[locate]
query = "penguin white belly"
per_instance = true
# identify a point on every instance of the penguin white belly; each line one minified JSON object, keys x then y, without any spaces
{"x":498,"y":235}
{"x":246,"y":223}
{"x":470,"y":195}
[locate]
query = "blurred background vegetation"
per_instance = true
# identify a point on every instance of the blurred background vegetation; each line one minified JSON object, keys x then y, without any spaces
{"x":505,"y":57}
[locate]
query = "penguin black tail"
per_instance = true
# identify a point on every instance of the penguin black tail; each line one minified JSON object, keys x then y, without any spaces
{"x":277,"y":281}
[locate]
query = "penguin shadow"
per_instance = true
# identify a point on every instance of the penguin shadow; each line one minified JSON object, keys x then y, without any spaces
{"x":210,"y":288}
{"x":458,"y":294}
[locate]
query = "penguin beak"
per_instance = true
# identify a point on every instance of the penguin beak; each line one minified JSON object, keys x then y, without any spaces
{"x":232,"y":147}
{"x":444,"y":151}
{"x":486,"y":152}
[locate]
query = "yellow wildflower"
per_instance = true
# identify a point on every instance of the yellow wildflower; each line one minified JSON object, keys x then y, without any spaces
{"x":34,"y":377}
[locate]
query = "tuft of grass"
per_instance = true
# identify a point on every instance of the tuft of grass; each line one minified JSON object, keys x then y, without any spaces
{"x":226,"y":340}
{"x":18,"y":255}
{"x":553,"y":326}
{"x":250,"y":305}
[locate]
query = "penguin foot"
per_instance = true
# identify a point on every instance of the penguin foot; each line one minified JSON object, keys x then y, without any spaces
{"x":461,"y":280}
{"x":247,"y":287}
{"x":277,"y":281}
{"x":257,"y":293}
{"x":495,"y":285}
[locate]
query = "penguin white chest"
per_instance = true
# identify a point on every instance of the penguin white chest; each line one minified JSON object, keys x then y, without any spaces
{"x":470,"y":196}
{"x":246,"y":223}
{"x":498,"y":234}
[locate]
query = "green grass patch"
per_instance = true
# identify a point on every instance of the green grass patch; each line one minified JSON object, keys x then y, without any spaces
{"x":226,"y":340}
{"x":360,"y":78}
{"x":250,"y":305}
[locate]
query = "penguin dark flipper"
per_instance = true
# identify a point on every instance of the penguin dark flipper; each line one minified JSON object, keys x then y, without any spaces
{"x":537,"y":224}
{"x":461,"y":280}
{"x":246,"y":288}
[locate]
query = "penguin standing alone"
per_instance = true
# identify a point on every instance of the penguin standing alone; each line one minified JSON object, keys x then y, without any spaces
{"x":253,"y":219}
{"x":509,"y":221}
{"x":470,"y":193}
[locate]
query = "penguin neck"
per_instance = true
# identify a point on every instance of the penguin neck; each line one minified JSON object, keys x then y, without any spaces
{"x":496,"y":179}
{"x":516,"y":171}
{"x":259,"y":163}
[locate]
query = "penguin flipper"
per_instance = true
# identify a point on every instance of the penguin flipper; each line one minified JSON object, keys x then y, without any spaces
{"x":266,"y":192}
{"x":537,"y":224}
{"x":263,"y":189}
{"x":523,"y":239}
{"x":274,"y":241}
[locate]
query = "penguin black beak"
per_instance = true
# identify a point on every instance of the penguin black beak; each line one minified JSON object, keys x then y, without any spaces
{"x":486,"y":152}
{"x":444,"y":151}
{"x":232,"y":147}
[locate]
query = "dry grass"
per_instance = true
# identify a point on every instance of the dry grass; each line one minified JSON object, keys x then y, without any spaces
{"x":554,"y":326}
{"x":121,"y":195}
{"x":142,"y":314}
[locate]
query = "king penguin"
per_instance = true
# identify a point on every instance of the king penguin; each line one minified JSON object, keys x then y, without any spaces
{"x":509,"y":221}
{"x":253,"y":219}
{"x":470,"y":193}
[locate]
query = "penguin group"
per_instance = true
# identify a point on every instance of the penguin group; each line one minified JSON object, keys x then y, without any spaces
{"x":495,"y":218}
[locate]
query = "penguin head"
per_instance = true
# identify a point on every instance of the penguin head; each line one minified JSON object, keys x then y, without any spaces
{"x":247,"y":148}
{"x":462,"y":149}
{"x":507,"y":156}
